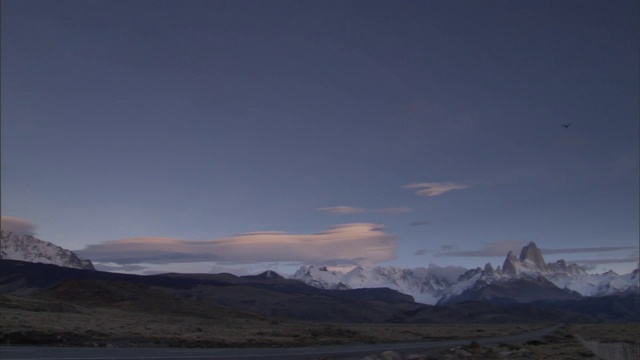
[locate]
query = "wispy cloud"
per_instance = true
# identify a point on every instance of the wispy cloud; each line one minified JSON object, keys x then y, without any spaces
{"x":17,"y":225}
{"x":391,"y":211}
{"x":363,"y":243}
{"x":597,"y":249}
{"x":435,"y":188}
{"x":345,"y":210}
{"x":448,"y":247}
{"x":449,"y":272}
{"x":420,"y":252}
{"x":502,"y":247}
{"x":419,"y":223}
{"x":594,"y":262}
{"x":119,"y":268}
{"x":495,"y":248}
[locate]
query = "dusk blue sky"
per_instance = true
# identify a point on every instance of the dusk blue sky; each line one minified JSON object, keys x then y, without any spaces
{"x":242,"y":135}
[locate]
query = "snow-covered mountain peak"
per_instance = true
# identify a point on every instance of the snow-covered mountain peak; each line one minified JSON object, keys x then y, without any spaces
{"x":510,"y":264}
{"x":530,"y":263}
{"x":532,"y":257}
{"x":28,"y":248}
{"x":562,"y":267}
{"x":437,"y":284}
{"x":319,"y":277}
{"x":426,"y":285}
{"x":531,"y":267}
{"x":488,"y":268}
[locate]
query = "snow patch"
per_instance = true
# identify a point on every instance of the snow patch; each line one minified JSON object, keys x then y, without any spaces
{"x":25,"y":247}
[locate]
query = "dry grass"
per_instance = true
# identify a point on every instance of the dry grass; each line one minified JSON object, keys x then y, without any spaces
{"x":560,"y":346}
{"x":38,"y":321}
{"x":25,"y":320}
{"x":625,"y":332}
{"x":611,"y":342}
{"x":563,"y":345}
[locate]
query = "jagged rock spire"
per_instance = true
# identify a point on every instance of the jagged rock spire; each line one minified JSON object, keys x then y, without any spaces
{"x":509,"y":266}
{"x":488,"y":268}
{"x":532,"y":254}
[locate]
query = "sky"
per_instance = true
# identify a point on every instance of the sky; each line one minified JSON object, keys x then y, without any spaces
{"x":236,"y":136}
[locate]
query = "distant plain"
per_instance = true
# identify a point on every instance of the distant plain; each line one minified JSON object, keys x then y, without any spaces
{"x":49,"y":322}
{"x":43,"y":320}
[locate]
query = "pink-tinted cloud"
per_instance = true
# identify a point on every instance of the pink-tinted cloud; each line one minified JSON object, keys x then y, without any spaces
{"x":17,"y":225}
{"x":435,"y":188}
{"x":342,"y":210}
{"x":360,"y":242}
{"x":345,"y":210}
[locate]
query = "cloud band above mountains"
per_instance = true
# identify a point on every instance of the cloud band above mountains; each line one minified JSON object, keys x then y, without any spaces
{"x":358,"y":242}
{"x":501,"y":248}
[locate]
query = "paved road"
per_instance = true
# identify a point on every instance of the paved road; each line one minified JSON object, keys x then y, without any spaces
{"x":311,"y":352}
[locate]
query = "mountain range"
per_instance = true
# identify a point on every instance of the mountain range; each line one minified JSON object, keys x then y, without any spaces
{"x":521,"y":291}
{"x":274,"y":296}
{"x":522,"y":279}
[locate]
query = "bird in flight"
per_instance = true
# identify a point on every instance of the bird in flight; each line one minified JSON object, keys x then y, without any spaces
{"x":566,"y":126}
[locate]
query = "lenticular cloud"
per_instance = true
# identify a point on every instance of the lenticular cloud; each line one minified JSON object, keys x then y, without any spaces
{"x":361,"y":242}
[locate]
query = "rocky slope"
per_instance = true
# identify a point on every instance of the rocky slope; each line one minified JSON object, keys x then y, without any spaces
{"x":28,"y":248}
